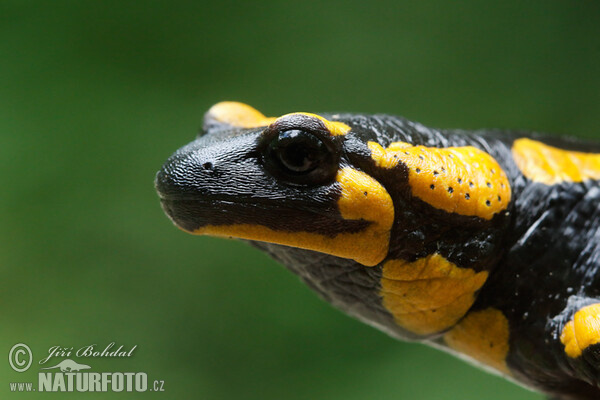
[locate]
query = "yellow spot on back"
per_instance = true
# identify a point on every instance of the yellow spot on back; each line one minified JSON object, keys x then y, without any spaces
{"x":335,"y":128}
{"x":582,"y":331}
{"x":368,"y":246}
{"x":550,"y":165}
{"x":238,"y":114}
{"x":430,"y":294}
{"x":462,"y":180}
{"x":483,"y":336}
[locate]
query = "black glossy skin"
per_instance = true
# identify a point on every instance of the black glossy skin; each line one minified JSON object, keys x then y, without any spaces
{"x":542,"y":252}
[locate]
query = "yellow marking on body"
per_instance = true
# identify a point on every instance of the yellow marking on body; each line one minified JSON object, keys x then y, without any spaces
{"x":238,"y":114}
{"x":430,"y":294}
{"x":483,"y":336}
{"x":582,"y":331}
{"x":362,"y":198}
{"x":335,"y":128}
{"x":550,"y":165}
{"x":462,"y":180}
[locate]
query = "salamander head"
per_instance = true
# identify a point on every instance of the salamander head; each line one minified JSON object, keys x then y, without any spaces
{"x":287,"y":181}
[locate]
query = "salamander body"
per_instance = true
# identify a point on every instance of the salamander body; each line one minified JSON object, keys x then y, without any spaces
{"x":484,"y":242}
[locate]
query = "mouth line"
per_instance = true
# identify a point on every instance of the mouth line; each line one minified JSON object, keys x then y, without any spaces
{"x":191,"y":213}
{"x":214,"y":199}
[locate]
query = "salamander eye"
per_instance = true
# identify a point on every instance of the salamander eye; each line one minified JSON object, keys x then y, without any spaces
{"x":298,"y":151}
{"x":300,"y":157}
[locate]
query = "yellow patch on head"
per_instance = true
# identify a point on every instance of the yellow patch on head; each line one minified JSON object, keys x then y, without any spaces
{"x":244,"y":116}
{"x":430,"y":294}
{"x":483,"y":336}
{"x":582,"y":331}
{"x":550,"y":165}
{"x":362,"y":198}
{"x":335,"y":128}
{"x":238,"y":114}
{"x":462,"y":180}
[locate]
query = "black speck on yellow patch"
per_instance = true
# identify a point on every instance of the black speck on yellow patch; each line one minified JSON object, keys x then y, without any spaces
{"x":365,"y":198}
{"x":430,"y":294}
{"x":462,"y":180}
{"x":550,"y":165}
{"x":582,"y":331}
{"x":362,"y":198}
{"x":483,"y":336}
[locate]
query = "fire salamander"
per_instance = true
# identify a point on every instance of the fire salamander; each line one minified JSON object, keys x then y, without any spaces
{"x":486,"y":243}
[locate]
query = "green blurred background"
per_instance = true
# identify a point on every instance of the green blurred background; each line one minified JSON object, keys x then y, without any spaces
{"x":94,"y":96}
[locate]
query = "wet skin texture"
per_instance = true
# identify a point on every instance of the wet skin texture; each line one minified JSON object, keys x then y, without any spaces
{"x":497,"y":261}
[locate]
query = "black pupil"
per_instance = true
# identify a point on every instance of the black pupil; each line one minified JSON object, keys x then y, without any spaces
{"x":298,"y":151}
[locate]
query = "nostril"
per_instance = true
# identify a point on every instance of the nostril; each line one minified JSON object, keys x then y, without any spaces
{"x":207,"y":165}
